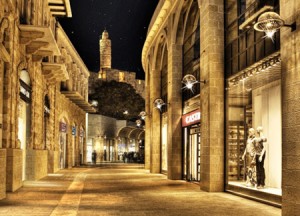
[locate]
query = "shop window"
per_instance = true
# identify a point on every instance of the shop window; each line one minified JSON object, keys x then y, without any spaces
{"x":164,"y":79}
{"x":191,"y":52}
{"x":245,"y":46}
{"x":253,"y":134}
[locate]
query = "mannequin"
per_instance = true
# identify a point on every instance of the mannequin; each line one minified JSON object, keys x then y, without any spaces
{"x":249,"y":153}
{"x":260,"y":153}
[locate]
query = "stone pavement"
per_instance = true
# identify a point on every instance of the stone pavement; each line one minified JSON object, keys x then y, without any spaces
{"x":123,"y":189}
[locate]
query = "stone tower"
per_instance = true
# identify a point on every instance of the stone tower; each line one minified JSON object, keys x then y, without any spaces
{"x":105,"y":51}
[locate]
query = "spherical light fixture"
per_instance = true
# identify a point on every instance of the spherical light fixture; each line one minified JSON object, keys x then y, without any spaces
{"x":138,"y":122}
{"x":158,"y":103}
{"x":269,"y":22}
{"x":143,"y":115}
{"x":189,"y":81}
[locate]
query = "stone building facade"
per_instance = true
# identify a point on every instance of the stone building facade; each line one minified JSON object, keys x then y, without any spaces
{"x":43,"y":94}
{"x":106,"y":73}
{"x":242,"y":80}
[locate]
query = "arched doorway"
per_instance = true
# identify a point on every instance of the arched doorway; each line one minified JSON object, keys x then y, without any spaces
{"x":74,"y":144}
{"x":81,"y":147}
{"x":46,"y":122}
{"x":24,"y":118}
{"x":63,"y":144}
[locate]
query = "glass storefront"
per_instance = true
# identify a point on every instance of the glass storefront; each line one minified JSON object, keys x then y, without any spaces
{"x":253,"y":128}
{"x":164,"y":145}
{"x":191,"y":146}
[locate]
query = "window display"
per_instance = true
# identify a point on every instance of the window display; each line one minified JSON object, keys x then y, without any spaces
{"x":249,"y":159}
{"x":253,"y":131}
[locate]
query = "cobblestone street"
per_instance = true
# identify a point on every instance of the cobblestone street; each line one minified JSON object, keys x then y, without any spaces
{"x":123,"y":189}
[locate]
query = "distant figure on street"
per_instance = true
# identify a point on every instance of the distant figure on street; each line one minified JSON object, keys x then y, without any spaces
{"x":94,"y":157}
{"x":124,"y":157}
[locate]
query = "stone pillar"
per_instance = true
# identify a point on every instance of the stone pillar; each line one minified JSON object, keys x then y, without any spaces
{"x":13,"y":169}
{"x":290,"y":53}
{"x":212,"y":95}
{"x":155,"y":141}
{"x":174,"y":112}
{"x":2,"y":173}
{"x":147,"y":122}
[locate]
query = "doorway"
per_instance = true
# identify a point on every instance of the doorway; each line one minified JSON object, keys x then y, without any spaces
{"x":192,"y":147}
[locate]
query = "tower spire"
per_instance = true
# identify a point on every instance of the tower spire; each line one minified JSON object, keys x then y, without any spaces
{"x":105,"y":51}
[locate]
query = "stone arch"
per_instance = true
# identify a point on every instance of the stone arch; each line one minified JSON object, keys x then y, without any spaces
{"x":64,"y":115}
{"x":176,"y":22}
{"x":161,"y":43}
{"x":187,"y":10}
{"x":125,"y":131}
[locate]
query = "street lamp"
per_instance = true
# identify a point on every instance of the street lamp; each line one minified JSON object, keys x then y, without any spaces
{"x":138,"y":122}
{"x":269,"y":22}
{"x":143,"y":115}
{"x":158,"y":103}
{"x":189,"y":81}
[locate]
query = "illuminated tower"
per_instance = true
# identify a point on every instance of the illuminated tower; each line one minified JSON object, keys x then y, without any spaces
{"x":105,"y":51}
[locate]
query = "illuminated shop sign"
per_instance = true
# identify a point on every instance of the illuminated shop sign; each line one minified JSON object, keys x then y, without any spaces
{"x":191,"y":118}
{"x":62,"y":127}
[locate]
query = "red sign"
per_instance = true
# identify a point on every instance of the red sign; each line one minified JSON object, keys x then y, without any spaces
{"x":191,"y":118}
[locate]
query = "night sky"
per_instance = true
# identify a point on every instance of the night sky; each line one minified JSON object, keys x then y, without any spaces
{"x":126,"y":22}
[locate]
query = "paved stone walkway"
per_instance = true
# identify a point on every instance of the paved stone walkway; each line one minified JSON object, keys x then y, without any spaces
{"x":123,"y":189}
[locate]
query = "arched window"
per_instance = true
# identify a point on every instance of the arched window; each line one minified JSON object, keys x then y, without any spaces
{"x":191,"y":50}
{"x":46,"y":119}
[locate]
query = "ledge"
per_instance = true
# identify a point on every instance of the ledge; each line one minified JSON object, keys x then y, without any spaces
{"x":54,"y":72}
{"x":60,"y":8}
{"x":39,"y":41}
{"x":77,"y":99}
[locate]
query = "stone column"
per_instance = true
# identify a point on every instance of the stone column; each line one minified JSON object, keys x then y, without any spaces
{"x":174,"y":145}
{"x":290,"y":53}
{"x":147,"y":122}
{"x":212,"y":95}
{"x":2,"y":173}
{"x":155,"y":141}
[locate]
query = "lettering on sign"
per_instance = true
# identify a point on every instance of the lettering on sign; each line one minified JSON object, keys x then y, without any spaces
{"x":191,"y":118}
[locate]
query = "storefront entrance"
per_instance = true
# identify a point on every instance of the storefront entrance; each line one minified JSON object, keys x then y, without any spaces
{"x":192,"y":153}
{"x":191,"y":146}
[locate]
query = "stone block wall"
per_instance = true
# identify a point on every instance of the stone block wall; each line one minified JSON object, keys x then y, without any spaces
{"x":36,"y":164}
{"x":290,"y":54}
{"x":53,"y":161}
{"x":212,"y":95}
{"x":2,"y":173}
{"x":13,"y":169}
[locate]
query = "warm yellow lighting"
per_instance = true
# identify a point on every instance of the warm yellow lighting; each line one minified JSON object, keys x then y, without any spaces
{"x":158,"y":103}
{"x":270,"y":22}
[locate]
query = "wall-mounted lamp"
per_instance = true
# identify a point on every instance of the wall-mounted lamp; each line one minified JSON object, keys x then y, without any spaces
{"x":138,"y":122}
{"x":125,"y":112}
{"x":158,"y":103}
{"x":143,"y":115}
{"x":94,"y":103}
{"x":189,"y":81}
{"x":270,"y":22}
